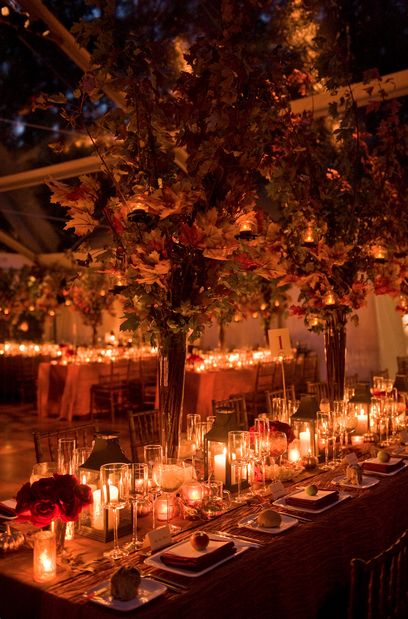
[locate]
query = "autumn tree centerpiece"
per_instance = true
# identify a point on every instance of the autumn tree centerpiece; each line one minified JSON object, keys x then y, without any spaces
{"x":203,"y":100}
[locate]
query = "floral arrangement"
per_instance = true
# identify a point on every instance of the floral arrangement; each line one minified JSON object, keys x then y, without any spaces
{"x":90,"y":295}
{"x":60,"y":496}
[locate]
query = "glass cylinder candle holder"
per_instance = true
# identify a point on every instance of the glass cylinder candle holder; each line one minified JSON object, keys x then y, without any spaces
{"x":192,"y":493}
{"x":165,"y":509}
{"x":45,"y":556}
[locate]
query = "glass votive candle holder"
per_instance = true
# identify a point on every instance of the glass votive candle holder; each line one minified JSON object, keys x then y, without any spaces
{"x":192,"y":493}
{"x":45,"y":556}
{"x":165,"y":509}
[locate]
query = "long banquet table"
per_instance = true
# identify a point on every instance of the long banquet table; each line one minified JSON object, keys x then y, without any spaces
{"x":64,"y":389}
{"x":300,"y":574}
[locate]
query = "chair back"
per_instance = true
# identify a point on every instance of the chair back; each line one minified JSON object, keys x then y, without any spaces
{"x":281,"y":404}
{"x":148,"y":377}
{"x":46,"y":443}
{"x":382,"y":373}
{"x":237,"y":405}
{"x":266,"y":374}
{"x":117,"y":375}
{"x":144,"y":428}
{"x":379,"y":586}
{"x":322,"y":391}
{"x":402,"y":365}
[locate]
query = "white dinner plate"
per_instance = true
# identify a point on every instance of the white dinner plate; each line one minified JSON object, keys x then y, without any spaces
{"x":148,"y":590}
{"x":379,"y":474}
{"x":282,"y":503}
{"x":287,"y":522}
{"x":155,"y":560}
{"x":366,"y":482}
{"x":8,"y":503}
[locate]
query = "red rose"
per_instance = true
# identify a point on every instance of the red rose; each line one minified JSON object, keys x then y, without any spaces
{"x":44,"y":488}
{"x":64,"y":487}
{"x":84,"y":494}
{"x":70,"y":510}
{"x":24,"y":498}
{"x":43,"y":512}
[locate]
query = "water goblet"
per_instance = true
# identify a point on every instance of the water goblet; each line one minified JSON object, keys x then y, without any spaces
{"x":138,"y":483}
{"x":153,"y":456}
{"x":115,"y":494}
{"x":172,"y":476}
{"x":278,"y":444}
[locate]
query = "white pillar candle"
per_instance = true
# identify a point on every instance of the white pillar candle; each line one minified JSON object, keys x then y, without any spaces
{"x":304,"y":438}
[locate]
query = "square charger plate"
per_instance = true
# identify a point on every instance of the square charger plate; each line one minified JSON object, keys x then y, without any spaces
{"x":287,"y":522}
{"x":148,"y":590}
{"x":282,"y":503}
{"x":381,"y":474}
{"x":155,"y":561}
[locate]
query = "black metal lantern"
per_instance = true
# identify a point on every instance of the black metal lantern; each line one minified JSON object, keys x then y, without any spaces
{"x":216,"y":462}
{"x":97,"y":522}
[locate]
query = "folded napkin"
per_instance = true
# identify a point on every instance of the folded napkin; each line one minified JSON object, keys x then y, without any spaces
{"x":321,"y":499}
{"x":188,"y":558}
{"x":6,"y":511}
{"x":383,"y":467}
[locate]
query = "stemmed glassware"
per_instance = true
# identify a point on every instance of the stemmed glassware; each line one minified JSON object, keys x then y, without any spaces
{"x":138,"y":483}
{"x":260,"y":440}
{"x":115,"y":494}
{"x":324,"y":428}
{"x":239,"y":453}
{"x":153,"y":457}
{"x":350,"y":421}
{"x":278,"y":444}
{"x":172,"y":476}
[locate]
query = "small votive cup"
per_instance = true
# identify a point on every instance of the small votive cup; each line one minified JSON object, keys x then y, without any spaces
{"x":45,"y":556}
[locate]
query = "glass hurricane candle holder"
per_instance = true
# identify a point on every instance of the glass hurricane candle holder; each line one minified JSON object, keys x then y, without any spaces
{"x":44,"y":556}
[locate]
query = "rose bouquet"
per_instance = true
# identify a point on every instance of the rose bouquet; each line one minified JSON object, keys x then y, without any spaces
{"x":60,"y":496}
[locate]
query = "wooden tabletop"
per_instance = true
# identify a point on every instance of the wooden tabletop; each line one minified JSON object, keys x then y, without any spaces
{"x":300,"y":574}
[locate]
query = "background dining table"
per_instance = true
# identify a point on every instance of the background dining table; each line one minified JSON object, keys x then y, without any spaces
{"x":302,"y":573}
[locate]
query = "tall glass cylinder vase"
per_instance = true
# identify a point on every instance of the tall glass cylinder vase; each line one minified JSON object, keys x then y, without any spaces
{"x":335,"y":352}
{"x":171,"y":375}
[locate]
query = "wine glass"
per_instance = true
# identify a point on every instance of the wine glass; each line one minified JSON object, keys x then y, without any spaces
{"x":172,"y":477}
{"x":115,"y":494}
{"x":153,"y":456}
{"x":239,"y":454}
{"x":350,"y":421}
{"x":138,"y":482}
{"x":278,"y":444}
{"x":261,"y":444}
{"x":324,"y":428}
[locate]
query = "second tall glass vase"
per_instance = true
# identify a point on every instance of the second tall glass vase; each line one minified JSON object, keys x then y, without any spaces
{"x":171,"y":375}
{"x":335,"y":351}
